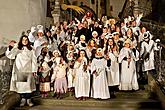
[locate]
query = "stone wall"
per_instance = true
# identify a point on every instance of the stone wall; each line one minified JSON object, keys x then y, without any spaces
{"x":5,"y":72}
{"x":19,"y":15}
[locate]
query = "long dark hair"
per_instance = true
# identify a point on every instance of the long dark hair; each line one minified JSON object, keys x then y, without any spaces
{"x":20,"y":45}
{"x":85,"y":54}
{"x":106,"y":48}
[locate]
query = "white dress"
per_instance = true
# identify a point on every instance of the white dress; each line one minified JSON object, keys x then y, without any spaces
{"x":38,"y":45}
{"x":70,"y":77}
{"x":100,"y":85}
{"x":151,"y":47}
{"x":82,"y":80}
{"x":113,"y":71}
{"x":128,"y":78}
{"x":22,"y":80}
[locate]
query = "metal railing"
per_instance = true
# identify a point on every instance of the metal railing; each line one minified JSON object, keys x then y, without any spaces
{"x":160,"y":66}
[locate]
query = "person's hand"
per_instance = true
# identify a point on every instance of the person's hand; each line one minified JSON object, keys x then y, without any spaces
{"x":79,"y":59}
{"x":107,"y":57}
{"x":40,"y":69}
{"x":12,"y":43}
{"x":44,"y":44}
{"x":129,"y":59}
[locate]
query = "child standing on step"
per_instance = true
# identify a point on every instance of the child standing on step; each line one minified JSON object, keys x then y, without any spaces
{"x":44,"y":72}
{"x":59,"y":77}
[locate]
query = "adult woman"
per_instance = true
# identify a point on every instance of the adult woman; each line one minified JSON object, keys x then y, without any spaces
{"x":82,"y":77}
{"x":111,"y":51}
{"x":128,"y":68}
{"x":98,"y":69}
{"x":91,"y":49}
{"x":25,"y":65}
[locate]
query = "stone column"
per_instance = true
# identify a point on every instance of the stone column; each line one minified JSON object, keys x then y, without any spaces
{"x":136,"y":10}
{"x":56,"y":12}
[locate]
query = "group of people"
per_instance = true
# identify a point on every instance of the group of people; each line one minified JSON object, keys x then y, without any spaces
{"x":89,"y":58}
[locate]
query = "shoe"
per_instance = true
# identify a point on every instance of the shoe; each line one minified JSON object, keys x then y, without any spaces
{"x":84,"y":98}
{"x":113,"y":96}
{"x":23,"y":102}
{"x":79,"y":98}
{"x":29,"y":102}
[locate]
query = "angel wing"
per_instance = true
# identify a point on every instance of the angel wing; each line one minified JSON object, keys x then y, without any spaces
{"x":76,"y":8}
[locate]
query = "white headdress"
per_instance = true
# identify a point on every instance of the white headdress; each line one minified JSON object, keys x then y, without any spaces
{"x":57,"y":51}
{"x":101,"y":51}
{"x":94,"y":32}
{"x":40,"y":28}
{"x":33,"y":29}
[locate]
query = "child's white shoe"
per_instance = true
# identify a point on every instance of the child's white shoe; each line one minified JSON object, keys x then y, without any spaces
{"x":29,"y":102}
{"x":23,"y":102}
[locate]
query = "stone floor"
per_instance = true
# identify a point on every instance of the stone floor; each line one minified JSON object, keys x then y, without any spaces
{"x":137,"y":100}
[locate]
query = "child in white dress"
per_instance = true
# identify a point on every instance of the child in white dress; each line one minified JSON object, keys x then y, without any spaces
{"x":59,"y":77}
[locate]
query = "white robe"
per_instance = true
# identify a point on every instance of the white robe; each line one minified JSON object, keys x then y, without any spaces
{"x":148,"y":64}
{"x":70,"y":77}
{"x":38,"y":45}
{"x":82,"y":80}
{"x":100,"y":85}
{"x":128,"y":79}
{"x":22,"y":80}
{"x":113,"y":71}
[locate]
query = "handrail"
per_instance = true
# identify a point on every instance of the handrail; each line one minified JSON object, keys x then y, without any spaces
{"x":160,"y":68}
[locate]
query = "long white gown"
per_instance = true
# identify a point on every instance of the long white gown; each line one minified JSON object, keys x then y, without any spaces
{"x":148,"y":47}
{"x":100,"y":85}
{"x":22,"y":80}
{"x":113,"y":71}
{"x":128,"y":78}
{"x":38,"y":45}
{"x":82,"y":80}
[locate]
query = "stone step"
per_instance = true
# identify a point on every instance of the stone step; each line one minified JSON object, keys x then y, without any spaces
{"x":92,"y":103}
{"x":112,"y":103}
{"x":41,"y":107}
{"x":138,"y":100}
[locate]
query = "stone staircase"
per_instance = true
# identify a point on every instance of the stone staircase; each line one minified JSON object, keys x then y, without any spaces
{"x":139,"y":100}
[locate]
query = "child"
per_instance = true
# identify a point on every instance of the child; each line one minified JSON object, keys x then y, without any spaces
{"x":70,"y":73}
{"x":44,"y":72}
{"x":59,"y":77}
{"x":82,"y":77}
{"x":22,"y":80}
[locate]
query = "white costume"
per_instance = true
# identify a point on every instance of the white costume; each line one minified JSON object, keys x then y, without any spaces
{"x":113,"y":71}
{"x":148,"y":47}
{"x":38,"y":45}
{"x":70,"y":76}
{"x":22,"y":80}
{"x":82,"y":79}
{"x":100,"y":85}
{"x":59,"y":76}
{"x":128,"y":80}
{"x":31,"y":36}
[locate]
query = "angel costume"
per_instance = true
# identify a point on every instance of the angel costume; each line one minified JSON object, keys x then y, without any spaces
{"x":128,"y":80}
{"x":25,"y":64}
{"x":100,"y":85}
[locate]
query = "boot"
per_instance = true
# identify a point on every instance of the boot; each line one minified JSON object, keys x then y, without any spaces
{"x":61,"y":96}
{"x":23,"y":102}
{"x":58,"y":95}
{"x":29,"y":102}
{"x":112,"y":95}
